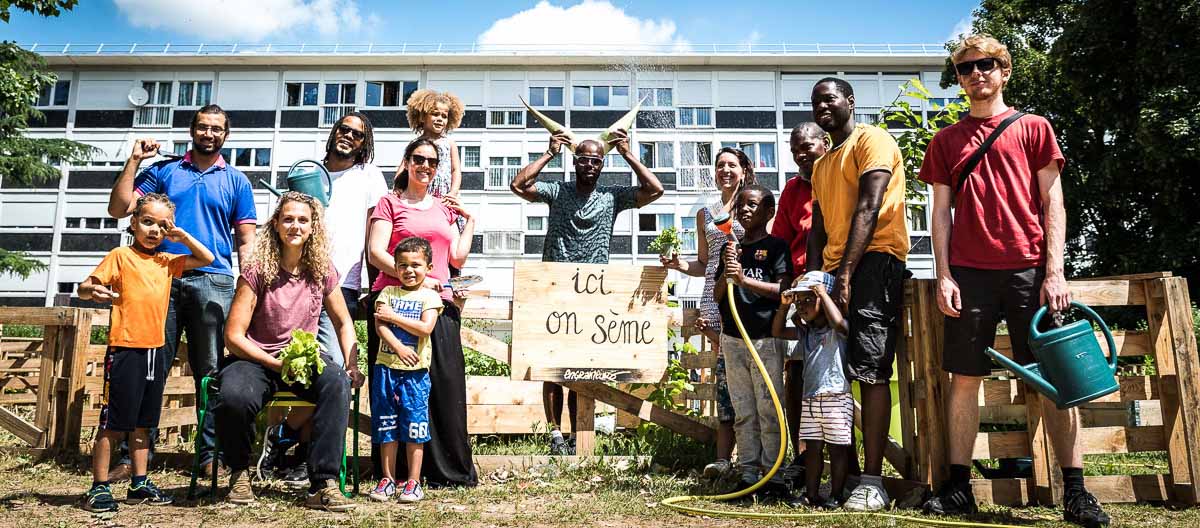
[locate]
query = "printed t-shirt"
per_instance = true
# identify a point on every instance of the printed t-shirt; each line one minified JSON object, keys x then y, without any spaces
{"x":139,"y":313}
{"x":291,"y":302}
{"x":434,"y":223}
{"x":410,"y":304}
{"x":580,"y":228}
{"x":765,"y":260}
{"x":835,"y":189}
{"x":998,"y":215}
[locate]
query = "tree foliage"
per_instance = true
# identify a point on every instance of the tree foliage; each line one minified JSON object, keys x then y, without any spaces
{"x":1116,"y":78}
{"x":24,"y":159}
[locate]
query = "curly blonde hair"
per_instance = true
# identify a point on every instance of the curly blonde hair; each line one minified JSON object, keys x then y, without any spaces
{"x":424,"y":102}
{"x":314,"y":263}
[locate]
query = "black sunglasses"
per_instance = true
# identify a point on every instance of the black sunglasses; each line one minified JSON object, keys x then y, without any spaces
{"x":354,"y":134}
{"x":984,"y":66}
{"x":418,"y":160}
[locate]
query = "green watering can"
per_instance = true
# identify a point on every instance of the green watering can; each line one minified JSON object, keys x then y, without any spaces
{"x":306,"y":180}
{"x":1071,"y":369}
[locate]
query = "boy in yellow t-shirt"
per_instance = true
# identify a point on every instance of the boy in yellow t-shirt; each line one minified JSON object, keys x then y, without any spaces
{"x":404,"y":317}
{"x":136,"y":279}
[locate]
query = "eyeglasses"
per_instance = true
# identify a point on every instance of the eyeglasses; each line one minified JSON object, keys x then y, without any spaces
{"x":419,"y":160}
{"x":214,"y":130}
{"x":354,"y":134}
{"x":984,"y":66}
{"x":591,"y":161}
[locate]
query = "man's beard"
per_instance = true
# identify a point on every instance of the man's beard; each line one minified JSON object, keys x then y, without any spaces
{"x":334,"y":152}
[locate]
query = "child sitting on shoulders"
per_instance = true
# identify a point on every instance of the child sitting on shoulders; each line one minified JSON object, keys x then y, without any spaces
{"x":827,"y":408}
{"x":404,"y":317}
{"x":136,"y":279}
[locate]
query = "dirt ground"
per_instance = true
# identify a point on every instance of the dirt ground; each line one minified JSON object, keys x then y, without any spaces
{"x":49,"y":493}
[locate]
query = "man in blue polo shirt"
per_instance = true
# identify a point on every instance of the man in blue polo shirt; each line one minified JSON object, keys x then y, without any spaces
{"x":215,"y":203}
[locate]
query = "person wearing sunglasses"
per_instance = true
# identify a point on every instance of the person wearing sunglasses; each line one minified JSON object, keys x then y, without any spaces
{"x":357,"y":186}
{"x":999,"y":255}
{"x":412,"y":210}
{"x":215,"y":203}
{"x":580,"y":225}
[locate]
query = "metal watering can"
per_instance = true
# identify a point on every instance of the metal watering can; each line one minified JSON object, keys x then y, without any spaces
{"x":306,"y":180}
{"x":1071,"y":368}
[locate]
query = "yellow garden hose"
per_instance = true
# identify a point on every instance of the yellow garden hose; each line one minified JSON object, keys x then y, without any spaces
{"x":676,"y":503}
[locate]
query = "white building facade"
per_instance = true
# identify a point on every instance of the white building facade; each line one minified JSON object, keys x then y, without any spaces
{"x":281,"y":105}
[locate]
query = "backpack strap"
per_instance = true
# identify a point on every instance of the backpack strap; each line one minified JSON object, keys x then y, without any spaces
{"x":977,"y":156}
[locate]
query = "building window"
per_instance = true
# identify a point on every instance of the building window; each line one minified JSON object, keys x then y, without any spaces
{"x":614,"y":160}
{"x":545,"y":96}
{"x":654,"y":223}
{"x":339,"y":101}
{"x":180,"y":148}
{"x":468,"y":155}
{"x":57,"y":94}
{"x":157,"y":111}
{"x":247,"y":157}
{"x":535,"y":224}
{"x":695,"y":117}
{"x":918,"y":214}
{"x":600,"y":96}
{"x":389,"y":93}
{"x":655,"y":97}
{"x":502,"y":242}
{"x":555,"y":162}
{"x":507,"y":118}
{"x":761,"y":153}
{"x":502,"y":170}
{"x":80,"y":222}
{"x":194,"y":93}
{"x":695,"y":165}
{"x":687,"y":234}
{"x":658,"y":155}
{"x":302,"y":94}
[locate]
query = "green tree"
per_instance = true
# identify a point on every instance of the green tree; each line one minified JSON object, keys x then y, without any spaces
{"x":1116,"y":79}
{"x":23,"y":159}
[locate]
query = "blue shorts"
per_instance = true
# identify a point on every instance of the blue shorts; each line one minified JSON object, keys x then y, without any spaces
{"x":399,"y":405}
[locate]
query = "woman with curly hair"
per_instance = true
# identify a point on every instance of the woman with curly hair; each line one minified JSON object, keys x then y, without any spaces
{"x":285,"y":283}
{"x":434,"y":115}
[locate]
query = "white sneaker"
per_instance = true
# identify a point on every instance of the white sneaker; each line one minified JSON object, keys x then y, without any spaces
{"x":867,"y":497}
{"x":717,"y":469}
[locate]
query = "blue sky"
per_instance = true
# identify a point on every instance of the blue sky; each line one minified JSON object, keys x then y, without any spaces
{"x":455,"y":21}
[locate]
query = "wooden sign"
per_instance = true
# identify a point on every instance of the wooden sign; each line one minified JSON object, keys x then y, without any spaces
{"x":589,"y":322}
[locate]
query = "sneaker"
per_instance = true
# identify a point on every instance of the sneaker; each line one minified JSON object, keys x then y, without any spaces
{"x":329,"y":498}
{"x":383,"y":491}
{"x":558,"y":446}
{"x":240,"y":491}
{"x":718,"y":469}
{"x":297,"y":477}
{"x":952,"y":499}
{"x":275,"y":446}
{"x":867,"y":496}
{"x":147,"y":493}
{"x":100,"y":499}
{"x":1083,"y":509}
{"x":412,"y":492}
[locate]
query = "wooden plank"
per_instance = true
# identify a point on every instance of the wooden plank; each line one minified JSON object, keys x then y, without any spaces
{"x":1008,"y":444}
{"x":904,"y":377}
{"x":500,"y":390}
{"x":167,"y":418}
{"x":486,"y":344}
{"x":1004,"y":392}
{"x":1108,"y":292}
{"x":79,"y":340}
{"x":487,"y":308}
{"x":585,"y":423}
{"x":1129,"y":277}
{"x":43,"y":417}
{"x":679,"y":423}
{"x":505,"y":419}
{"x":175,"y":386}
{"x":1187,"y":387}
{"x":705,"y":358}
{"x":1159,"y":330}
{"x":1096,"y":440}
{"x":702,"y":391}
{"x":18,"y":426}
{"x":1088,"y":416}
{"x":927,"y":358}
{"x":39,"y":316}
{"x":1046,"y":485}
{"x":1108,"y":489}
{"x":1128,"y":344}
{"x":488,"y":464}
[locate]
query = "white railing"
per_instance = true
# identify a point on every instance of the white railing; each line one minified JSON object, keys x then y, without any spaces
{"x":695,"y":178}
{"x":331,"y":113}
{"x":867,"y":114}
{"x":484,"y":49}
{"x":153,"y":116}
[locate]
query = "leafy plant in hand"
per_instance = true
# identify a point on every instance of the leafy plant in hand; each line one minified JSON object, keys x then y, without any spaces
{"x":300,"y":357}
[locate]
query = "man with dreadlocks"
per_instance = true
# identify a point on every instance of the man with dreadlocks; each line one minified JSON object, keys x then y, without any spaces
{"x":357,"y":187}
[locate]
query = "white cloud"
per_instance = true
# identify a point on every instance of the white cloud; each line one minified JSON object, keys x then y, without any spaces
{"x":963,"y":27}
{"x":246,"y":20}
{"x":590,"y":25}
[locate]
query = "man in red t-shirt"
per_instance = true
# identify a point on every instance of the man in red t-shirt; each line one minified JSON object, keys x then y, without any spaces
{"x":1000,"y":255}
{"x":792,"y":222}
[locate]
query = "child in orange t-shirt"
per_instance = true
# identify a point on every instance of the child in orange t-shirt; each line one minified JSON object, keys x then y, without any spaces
{"x":137,"y":281}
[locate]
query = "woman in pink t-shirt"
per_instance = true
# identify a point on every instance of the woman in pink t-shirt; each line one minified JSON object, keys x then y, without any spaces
{"x":411,"y":210}
{"x":284,"y":285}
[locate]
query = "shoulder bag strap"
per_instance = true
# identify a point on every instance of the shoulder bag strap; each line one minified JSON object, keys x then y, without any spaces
{"x":975,"y":158}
